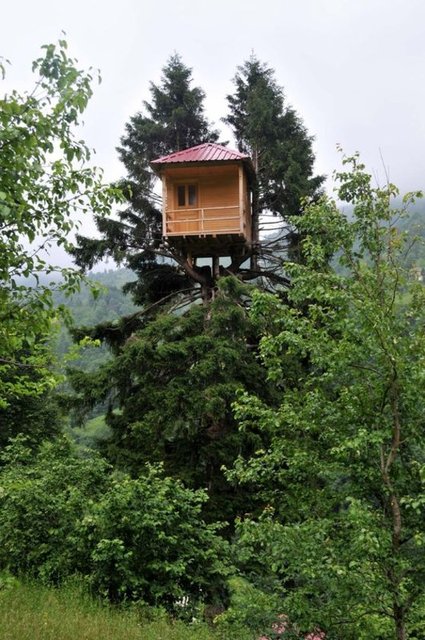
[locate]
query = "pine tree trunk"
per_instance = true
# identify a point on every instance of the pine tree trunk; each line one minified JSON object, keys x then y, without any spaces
{"x":206,"y":292}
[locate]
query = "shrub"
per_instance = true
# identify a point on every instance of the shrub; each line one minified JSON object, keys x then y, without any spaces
{"x":136,"y":539}
{"x":149,"y":542}
{"x":42,"y":497}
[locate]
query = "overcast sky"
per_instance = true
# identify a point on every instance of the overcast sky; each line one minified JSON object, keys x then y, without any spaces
{"x":353,"y":69}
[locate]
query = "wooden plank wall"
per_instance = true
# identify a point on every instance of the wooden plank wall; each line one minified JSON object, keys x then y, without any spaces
{"x":218,"y":186}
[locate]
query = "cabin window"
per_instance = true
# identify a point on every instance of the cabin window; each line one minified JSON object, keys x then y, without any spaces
{"x":191,"y":195}
{"x":181,"y":195}
{"x":187,"y":195}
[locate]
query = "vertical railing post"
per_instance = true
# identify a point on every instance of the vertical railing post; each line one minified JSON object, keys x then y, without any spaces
{"x":241,"y":199}
{"x":164,"y":207}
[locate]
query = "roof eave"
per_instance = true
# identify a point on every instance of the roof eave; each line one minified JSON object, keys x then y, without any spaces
{"x":160,"y":166}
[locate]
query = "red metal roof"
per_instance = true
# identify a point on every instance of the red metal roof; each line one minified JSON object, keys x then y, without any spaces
{"x":207,"y":152}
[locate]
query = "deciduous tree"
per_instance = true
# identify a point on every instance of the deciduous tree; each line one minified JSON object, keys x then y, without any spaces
{"x":342,"y":539}
{"x":63,"y":514}
{"x":45,"y":178}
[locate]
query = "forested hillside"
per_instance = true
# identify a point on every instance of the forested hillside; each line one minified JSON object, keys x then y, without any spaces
{"x":110,"y":302}
{"x":100,"y":299}
{"x":88,"y":307}
{"x":256,"y":453}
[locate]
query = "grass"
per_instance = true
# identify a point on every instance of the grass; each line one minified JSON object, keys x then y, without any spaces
{"x":33,"y":612}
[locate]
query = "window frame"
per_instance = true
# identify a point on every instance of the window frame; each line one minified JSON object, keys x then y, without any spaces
{"x":187,"y":186}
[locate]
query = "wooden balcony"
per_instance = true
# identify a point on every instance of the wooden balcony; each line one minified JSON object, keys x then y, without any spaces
{"x":203,"y":221}
{"x":208,"y":231}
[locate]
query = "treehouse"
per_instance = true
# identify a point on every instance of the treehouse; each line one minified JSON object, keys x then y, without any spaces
{"x":206,"y":194}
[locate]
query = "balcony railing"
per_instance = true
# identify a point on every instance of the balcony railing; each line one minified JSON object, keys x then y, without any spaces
{"x":202,"y":221}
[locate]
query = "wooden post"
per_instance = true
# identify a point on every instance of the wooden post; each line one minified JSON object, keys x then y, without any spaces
{"x":241,"y":200}
{"x":164,"y":206}
{"x":215,"y":268}
{"x":255,"y":221}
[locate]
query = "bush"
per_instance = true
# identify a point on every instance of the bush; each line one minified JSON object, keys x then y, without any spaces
{"x":42,"y":497}
{"x":140,"y":539}
{"x":251,"y":611}
{"x":149,"y":542}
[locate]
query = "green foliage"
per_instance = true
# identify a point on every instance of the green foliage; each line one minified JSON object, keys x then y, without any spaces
{"x":175,"y":119}
{"x":43,"y":497}
{"x":92,"y":433}
{"x":151,"y":543}
{"x":44,"y":180}
{"x":136,"y":539}
{"x":36,"y":416}
{"x":109,"y":304}
{"x":173,"y":384}
{"x":250,"y":611}
{"x":343,"y":537}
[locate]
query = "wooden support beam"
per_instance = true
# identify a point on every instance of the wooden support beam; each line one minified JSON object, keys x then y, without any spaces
{"x":241,"y":200}
{"x":216,"y":267}
{"x":164,"y":206}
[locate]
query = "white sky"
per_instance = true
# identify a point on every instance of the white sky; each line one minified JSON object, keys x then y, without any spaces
{"x":353,"y":69}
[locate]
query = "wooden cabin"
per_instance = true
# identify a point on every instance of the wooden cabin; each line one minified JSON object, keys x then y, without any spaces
{"x":206,"y":194}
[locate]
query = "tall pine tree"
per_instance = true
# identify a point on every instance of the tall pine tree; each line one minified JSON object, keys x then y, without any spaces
{"x":264,"y":126}
{"x":173,"y":120}
{"x":171,"y":388}
{"x":273,"y":134}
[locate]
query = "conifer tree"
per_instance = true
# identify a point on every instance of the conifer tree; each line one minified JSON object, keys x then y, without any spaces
{"x":174,"y":378}
{"x":172,"y":386}
{"x":173,"y":120}
{"x":264,"y":126}
{"x":273,"y":134}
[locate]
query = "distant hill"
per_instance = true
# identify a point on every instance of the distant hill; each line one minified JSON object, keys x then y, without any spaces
{"x":113,"y":277}
{"x":109,"y":305}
